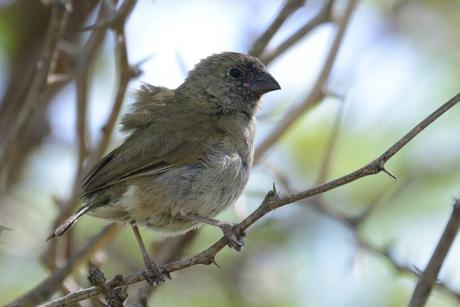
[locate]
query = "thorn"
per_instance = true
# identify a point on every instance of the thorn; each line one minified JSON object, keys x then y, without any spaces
{"x":144,"y":60}
{"x":213,"y":261}
{"x":416,"y":270}
{"x":334,"y":94}
{"x":386,"y":171}
{"x":456,"y":203}
{"x":51,"y":236}
{"x":275,"y":192}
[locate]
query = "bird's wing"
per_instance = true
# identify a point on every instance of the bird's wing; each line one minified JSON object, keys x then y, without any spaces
{"x":158,"y":143}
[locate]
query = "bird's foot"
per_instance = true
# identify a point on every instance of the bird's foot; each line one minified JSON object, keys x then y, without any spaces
{"x":234,"y":238}
{"x":153,"y":274}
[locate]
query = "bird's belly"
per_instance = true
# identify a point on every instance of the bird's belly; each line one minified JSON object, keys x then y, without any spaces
{"x":203,"y":189}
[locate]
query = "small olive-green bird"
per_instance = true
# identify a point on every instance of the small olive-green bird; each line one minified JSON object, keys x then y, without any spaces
{"x":188,"y":154}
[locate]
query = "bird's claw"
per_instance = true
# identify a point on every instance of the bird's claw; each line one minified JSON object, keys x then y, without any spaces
{"x":153,"y":274}
{"x":234,"y":239}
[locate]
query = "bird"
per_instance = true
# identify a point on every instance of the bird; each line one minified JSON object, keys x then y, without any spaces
{"x":187,"y":155}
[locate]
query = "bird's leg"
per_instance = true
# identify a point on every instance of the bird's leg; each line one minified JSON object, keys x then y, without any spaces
{"x":234,"y":240}
{"x":152,"y":274}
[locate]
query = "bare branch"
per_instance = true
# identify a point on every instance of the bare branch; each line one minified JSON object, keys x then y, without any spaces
{"x":271,"y":202}
{"x":323,"y":16}
{"x":125,"y":74}
{"x":316,"y":94}
{"x":428,"y":277}
{"x":331,"y":145}
{"x":287,"y":10}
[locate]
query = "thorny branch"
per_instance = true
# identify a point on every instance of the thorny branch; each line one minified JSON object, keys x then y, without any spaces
{"x":353,"y":224}
{"x":271,"y":202}
{"x":429,"y":275}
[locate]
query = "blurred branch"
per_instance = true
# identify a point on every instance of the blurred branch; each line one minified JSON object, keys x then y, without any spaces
{"x":125,"y":74}
{"x":331,"y":145}
{"x":316,"y":94}
{"x":35,"y":17}
{"x":289,"y":7}
{"x":59,"y":15}
{"x":83,"y":63}
{"x":323,"y":16}
{"x":46,"y":288}
{"x":271,"y":202}
{"x":429,"y":276}
{"x":353,"y":224}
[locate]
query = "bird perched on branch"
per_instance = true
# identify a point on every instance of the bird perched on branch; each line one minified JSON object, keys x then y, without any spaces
{"x":188,"y":154}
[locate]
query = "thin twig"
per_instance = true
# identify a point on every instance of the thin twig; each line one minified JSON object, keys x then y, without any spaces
{"x":316,"y":94}
{"x":271,"y":202}
{"x":287,"y":10}
{"x":324,"y":170}
{"x":322,"y":17}
{"x":59,"y":16}
{"x":428,"y":277}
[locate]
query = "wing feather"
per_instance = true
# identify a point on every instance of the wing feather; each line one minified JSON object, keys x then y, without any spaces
{"x":159,"y":142}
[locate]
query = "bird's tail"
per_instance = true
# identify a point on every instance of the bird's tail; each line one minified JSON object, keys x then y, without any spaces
{"x":61,"y":229}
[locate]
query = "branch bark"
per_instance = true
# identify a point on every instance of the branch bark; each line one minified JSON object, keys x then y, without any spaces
{"x":287,"y":10}
{"x":429,"y":276}
{"x":323,"y":16}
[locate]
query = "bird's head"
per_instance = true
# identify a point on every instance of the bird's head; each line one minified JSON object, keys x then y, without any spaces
{"x":229,"y":82}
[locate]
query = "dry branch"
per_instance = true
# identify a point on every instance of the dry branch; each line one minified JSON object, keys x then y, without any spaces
{"x":287,"y":10}
{"x":322,"y":17}
{"x":429,"y":276}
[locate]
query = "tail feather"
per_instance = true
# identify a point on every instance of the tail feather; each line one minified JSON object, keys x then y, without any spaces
{"x":61,"y":229}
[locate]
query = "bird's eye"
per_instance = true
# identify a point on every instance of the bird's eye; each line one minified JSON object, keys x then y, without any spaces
{"x":234,"y":72}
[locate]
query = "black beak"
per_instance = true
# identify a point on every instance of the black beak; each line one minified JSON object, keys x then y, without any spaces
{"x":263,"y":84}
